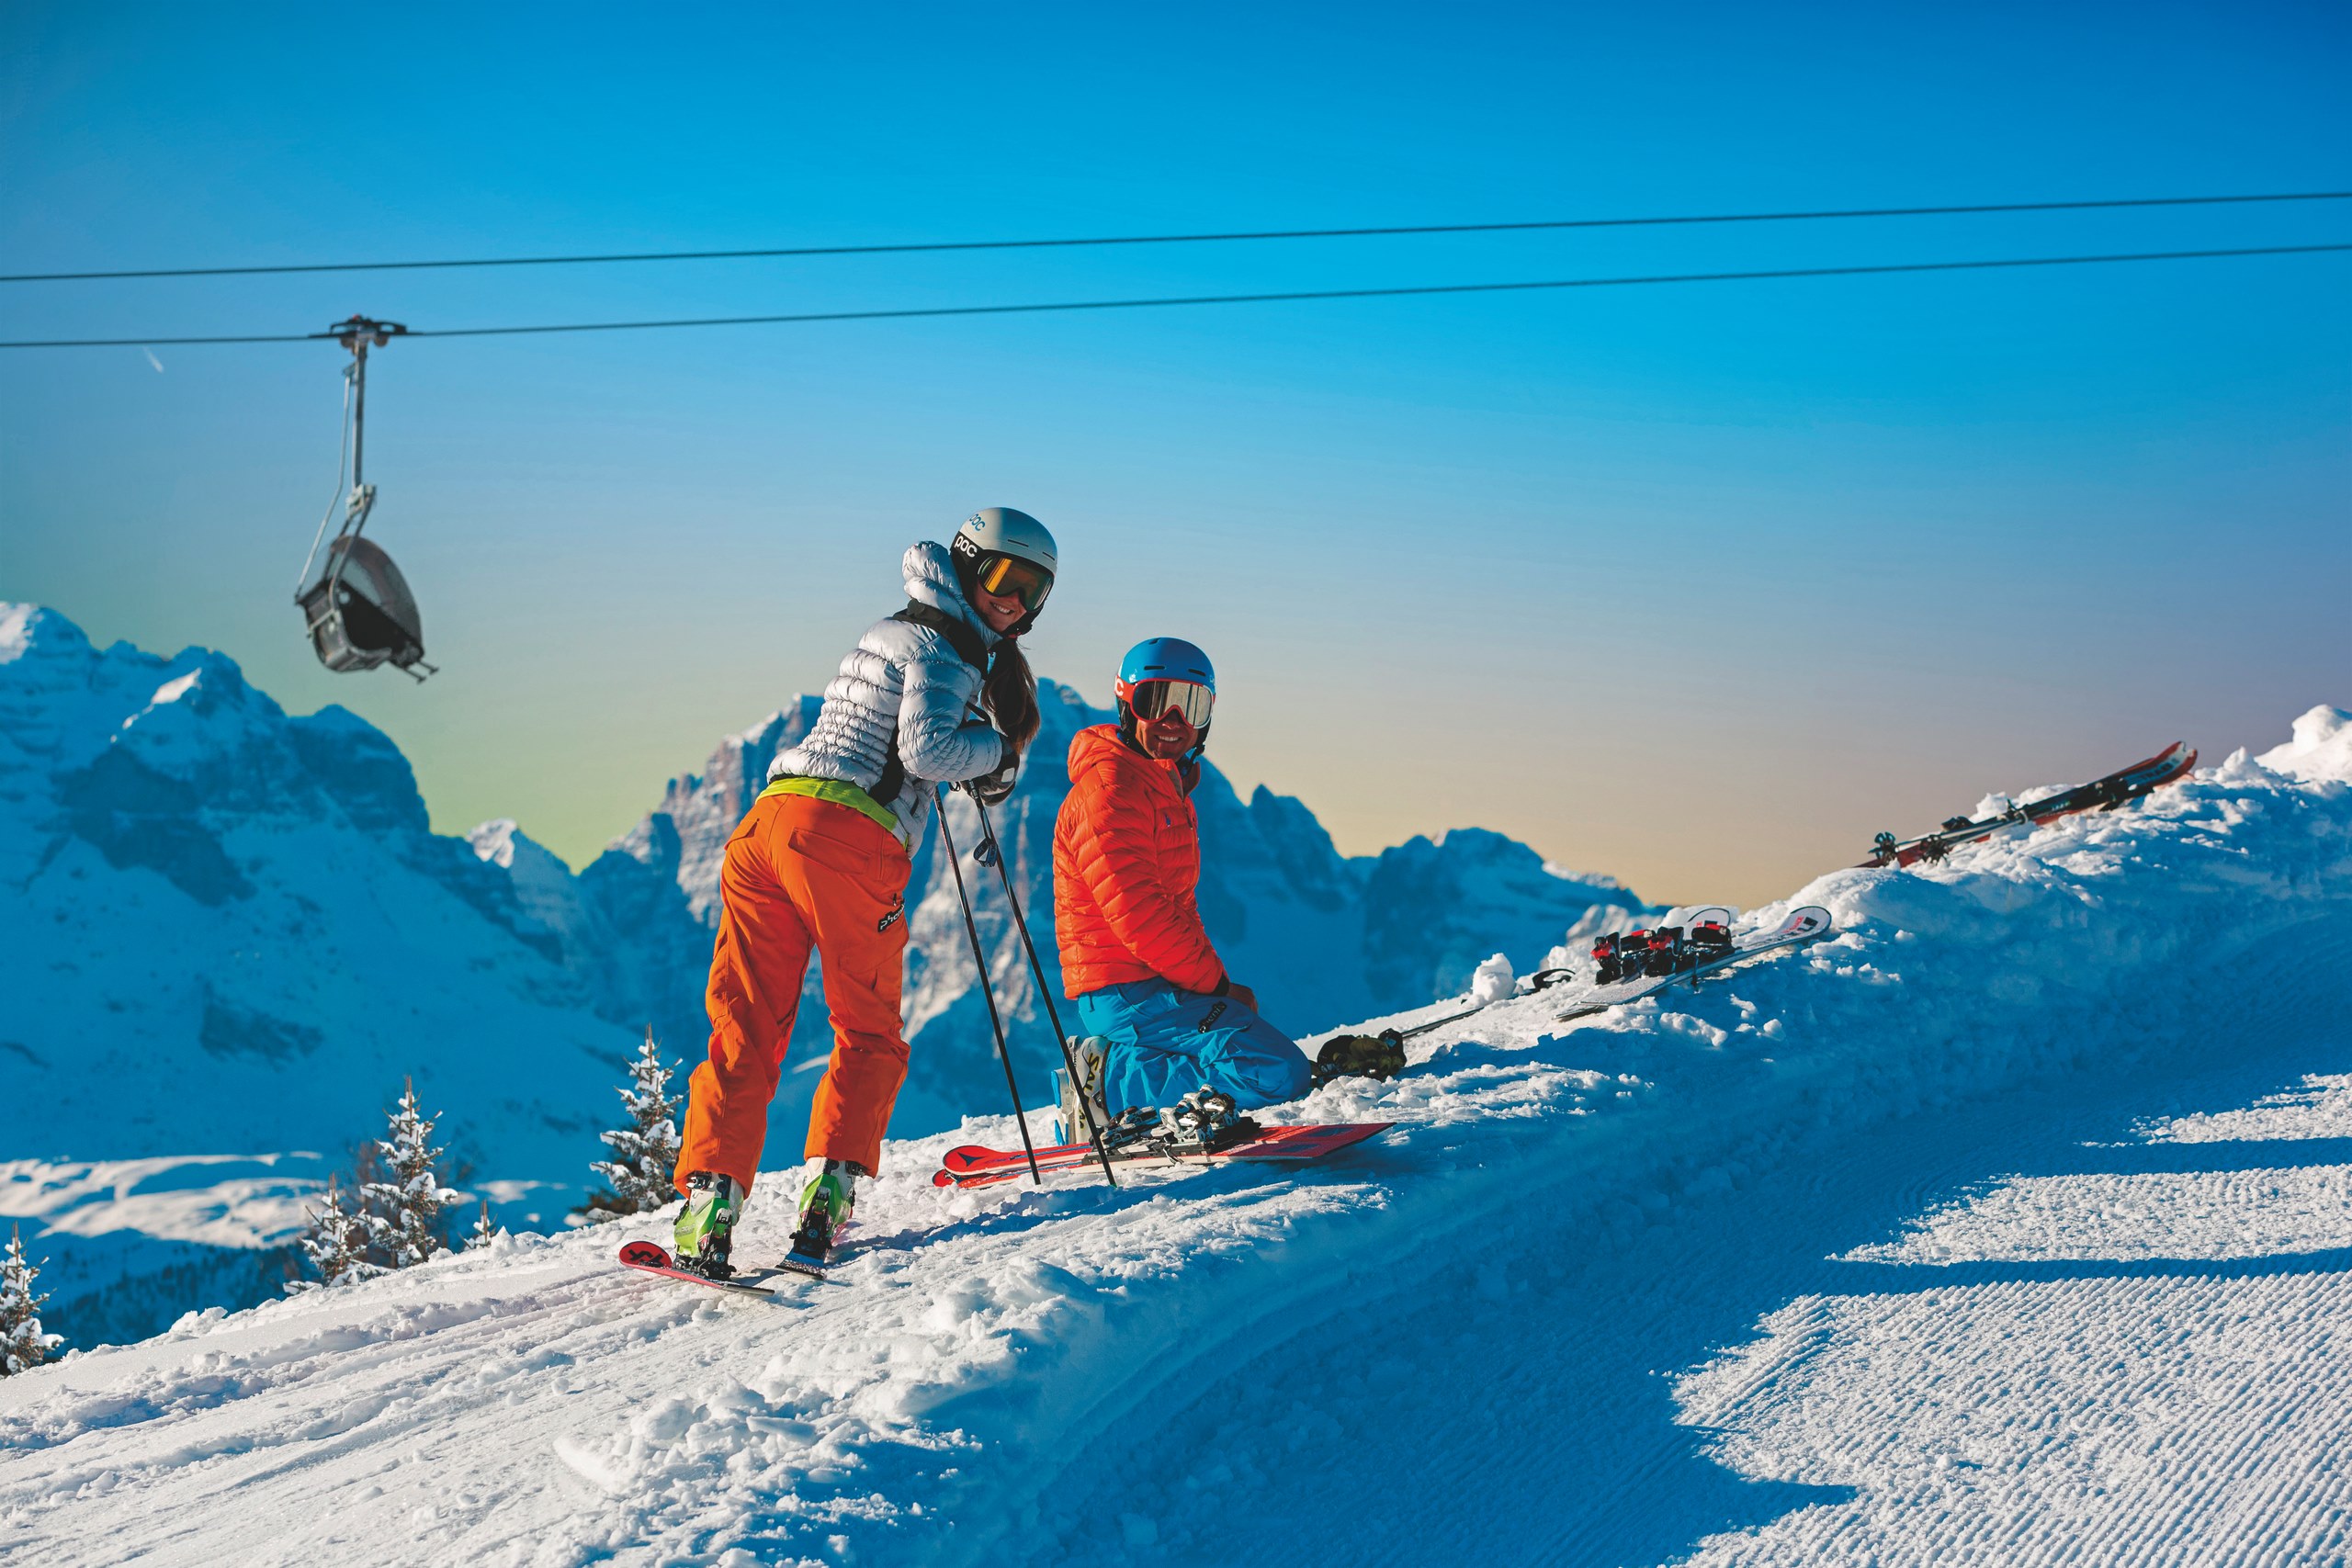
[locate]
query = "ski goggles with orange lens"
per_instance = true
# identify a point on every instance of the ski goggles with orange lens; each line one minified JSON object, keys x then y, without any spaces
{"x":1150,"y":699}
{"x":1018,"y":579}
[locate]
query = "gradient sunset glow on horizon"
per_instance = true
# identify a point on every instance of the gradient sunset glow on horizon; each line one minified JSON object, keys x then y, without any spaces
{"x":1698,"y":586}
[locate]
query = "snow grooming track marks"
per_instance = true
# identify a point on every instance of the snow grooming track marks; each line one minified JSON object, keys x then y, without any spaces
{"x":1002,"y":1352}
{"x":2078,"y":1367}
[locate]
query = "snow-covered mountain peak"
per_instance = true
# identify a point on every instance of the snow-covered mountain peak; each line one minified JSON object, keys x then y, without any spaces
{"x":16,"y":629}
{"x":494,"y":841}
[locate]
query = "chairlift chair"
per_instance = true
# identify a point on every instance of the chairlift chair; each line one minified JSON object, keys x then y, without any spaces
{"x":360,"y":611}
{"x":357,"y":610}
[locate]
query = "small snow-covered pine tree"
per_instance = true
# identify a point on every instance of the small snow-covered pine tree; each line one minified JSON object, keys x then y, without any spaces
{"x":23,"y":1346}
{"x":483,"y":1233}
{"x":336,"y":1243}
{"x":404,"y":1209}
{"x":645,"y":1153}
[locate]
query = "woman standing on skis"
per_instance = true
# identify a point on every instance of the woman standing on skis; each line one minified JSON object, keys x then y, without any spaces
{"x":938,"y":693}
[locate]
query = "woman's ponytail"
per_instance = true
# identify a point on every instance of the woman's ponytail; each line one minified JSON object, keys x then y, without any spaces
{"x":1010,"y":694}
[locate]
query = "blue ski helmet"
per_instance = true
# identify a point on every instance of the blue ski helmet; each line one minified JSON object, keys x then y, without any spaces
{"x":1163,"y":658}
{"x":1166,"y":659}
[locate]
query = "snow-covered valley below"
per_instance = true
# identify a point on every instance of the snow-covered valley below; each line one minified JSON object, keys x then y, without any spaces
{"x":2011,"y":1224}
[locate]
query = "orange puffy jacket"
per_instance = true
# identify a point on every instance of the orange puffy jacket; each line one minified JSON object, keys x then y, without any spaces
{"x":1126,"y":856}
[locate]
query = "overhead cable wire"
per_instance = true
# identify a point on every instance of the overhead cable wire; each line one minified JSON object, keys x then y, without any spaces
{"x":915,"y":247}
{"x":1270,"y":298}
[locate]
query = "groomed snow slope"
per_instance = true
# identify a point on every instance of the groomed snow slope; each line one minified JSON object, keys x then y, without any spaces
{"x":1421,"y":1351}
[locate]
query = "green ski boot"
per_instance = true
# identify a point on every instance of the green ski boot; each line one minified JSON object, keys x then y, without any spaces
{"x":706,"y":1231}
{"x":825,"y":1207}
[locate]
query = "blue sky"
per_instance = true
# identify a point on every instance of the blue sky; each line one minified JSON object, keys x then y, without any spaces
{"x":1698,"y":585}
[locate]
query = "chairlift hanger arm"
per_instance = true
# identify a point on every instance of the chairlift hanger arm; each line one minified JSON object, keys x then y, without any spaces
{"x":359,"y":334}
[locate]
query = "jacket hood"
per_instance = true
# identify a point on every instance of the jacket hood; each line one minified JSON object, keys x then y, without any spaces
{"x":931,"y":579}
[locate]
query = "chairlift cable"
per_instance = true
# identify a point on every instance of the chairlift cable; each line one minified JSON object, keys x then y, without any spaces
{"x":916,"y":247}
{"x":1756,"y":275}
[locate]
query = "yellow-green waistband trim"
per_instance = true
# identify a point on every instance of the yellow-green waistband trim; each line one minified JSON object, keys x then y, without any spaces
{"x":840,"y":793}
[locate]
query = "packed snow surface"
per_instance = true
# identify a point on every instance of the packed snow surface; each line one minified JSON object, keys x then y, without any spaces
{"x":2008,"y":1225}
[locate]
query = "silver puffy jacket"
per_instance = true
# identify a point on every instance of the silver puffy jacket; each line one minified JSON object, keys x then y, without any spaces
{"x":911,"y":678}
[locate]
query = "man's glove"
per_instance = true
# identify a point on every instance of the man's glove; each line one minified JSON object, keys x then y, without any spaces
{"x":992,"y":787}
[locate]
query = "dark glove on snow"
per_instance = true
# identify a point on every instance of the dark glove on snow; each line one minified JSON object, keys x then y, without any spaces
{"x":1380,"y":1056}
{"x":991,"y":788}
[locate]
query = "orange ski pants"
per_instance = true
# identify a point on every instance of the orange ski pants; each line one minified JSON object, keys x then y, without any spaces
{"x":802,"y":873}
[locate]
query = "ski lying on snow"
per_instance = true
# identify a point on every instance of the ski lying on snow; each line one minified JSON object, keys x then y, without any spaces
{"x":650,"y":1258}
{"x":1807,"y":924}
{"x":1544,"y":979}
{"x":974,"y":1165}
{"x":2099,"y":794}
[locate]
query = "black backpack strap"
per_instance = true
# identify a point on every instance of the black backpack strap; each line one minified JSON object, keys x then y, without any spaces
{"x":958,"y":632}
{"x":967,"y":646}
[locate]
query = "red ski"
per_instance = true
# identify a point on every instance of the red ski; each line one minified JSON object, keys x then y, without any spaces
{"x":974,"y":1165}
{"x":650,"y":1258}
{"x":2099,"y":794}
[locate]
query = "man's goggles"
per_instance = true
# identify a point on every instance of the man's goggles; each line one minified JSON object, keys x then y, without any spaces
{"x":1150,"y":699}
{"x":1018,"y":579}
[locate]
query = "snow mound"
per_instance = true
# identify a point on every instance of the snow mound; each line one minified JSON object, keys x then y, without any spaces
{"x":1041,"y":1371}
{"x":2320,"y":752}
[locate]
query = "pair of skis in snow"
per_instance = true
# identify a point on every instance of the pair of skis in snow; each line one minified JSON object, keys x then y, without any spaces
{"x":973,"y":1165}
{"x":2100,"y":795}
{"x":1630,"y":965}
{"x":976,"y":1165}
{"x":652,"y":1258}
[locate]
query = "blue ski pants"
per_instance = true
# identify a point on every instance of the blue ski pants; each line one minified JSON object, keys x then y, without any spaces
{"x":1166,"y":1041}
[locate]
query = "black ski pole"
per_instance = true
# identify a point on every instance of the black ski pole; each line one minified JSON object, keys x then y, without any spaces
{"x":1070,"y":1063}
{"x":988,"y":992}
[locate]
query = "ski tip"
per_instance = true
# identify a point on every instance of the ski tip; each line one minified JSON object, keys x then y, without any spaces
{"x":808,"y":1267}
{"x":645,"y":1255}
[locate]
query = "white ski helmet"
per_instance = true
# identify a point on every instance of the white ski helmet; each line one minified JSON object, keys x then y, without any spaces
{"x":994,"y":537}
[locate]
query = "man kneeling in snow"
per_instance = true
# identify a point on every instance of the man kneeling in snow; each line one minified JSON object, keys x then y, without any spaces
{"x":1164,"y":1020}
